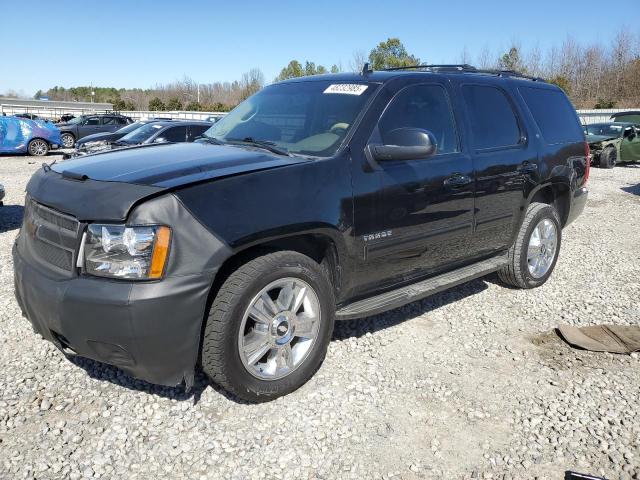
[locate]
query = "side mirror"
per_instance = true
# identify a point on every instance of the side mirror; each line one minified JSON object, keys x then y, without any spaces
{"x":160,"y":140}
{"x":405,"y":143}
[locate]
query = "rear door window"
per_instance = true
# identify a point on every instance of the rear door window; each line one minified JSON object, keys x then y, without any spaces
{"x":109,"y":120}
{"x":175,"y":134}
{"x":553,"y":113}
{"x":493,"y":122}
{"x":196,"y":131}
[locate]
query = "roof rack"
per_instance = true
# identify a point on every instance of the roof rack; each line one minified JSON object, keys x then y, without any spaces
{"x":464,"y":68}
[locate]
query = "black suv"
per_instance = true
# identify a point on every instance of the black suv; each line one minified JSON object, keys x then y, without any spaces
{"x":320,"y":198}
{"x":84,"y":125}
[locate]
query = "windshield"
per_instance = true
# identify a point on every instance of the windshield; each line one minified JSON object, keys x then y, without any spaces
{"x":131,"y":127}
{"x":608,"y":129}
{"x":142,"y":133}
{"x":307,"y":118}
{"x":76,"y":120}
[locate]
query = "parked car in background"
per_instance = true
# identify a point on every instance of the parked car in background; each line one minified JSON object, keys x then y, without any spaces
{"x":166,"y":131}
{"x":613,"y":142}
{"x":80,"y":127}
{"x":631,"y":116}
{"x":100,"y":141}
{"x":21,"y":135}
{"x":30,"y":116}
{"x":66,"y":117}
{"x":1,"y":194}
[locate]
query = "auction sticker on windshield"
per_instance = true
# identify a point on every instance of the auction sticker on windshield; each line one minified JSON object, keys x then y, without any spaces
{"x":346,"y":88}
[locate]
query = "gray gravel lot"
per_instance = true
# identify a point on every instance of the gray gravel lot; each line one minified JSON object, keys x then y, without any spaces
{"x":470,"y":383}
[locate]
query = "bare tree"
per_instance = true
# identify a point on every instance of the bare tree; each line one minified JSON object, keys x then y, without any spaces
{"x":465,"y":56}
{"x":358,"y":59}
{"x":485,"y":60}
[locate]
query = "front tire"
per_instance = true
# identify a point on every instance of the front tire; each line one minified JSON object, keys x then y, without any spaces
{"x":38,"y":147}
{"x":534,"y":254}
{"x":68,"y":140}
{"x":608,"y":157}
{"x":269,"y":326}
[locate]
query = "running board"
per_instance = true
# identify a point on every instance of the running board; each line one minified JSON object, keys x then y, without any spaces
{"x":416,"y":291}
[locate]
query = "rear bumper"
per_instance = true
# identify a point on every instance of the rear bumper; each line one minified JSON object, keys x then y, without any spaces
{"x":151,"y":330}
{"x":578,"y":203}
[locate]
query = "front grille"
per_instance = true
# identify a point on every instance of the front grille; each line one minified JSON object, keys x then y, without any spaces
{"x":53,"y":235}
{"x":54,"y":218}
{"x":54,"y":255}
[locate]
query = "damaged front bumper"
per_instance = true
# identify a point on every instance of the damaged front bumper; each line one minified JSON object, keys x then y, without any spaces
{"x":150,"y":330}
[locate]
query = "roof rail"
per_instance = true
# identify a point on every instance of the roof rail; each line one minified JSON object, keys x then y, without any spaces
{"x":465,"y":68}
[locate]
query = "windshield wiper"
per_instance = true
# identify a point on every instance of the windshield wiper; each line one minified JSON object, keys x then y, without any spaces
{"x":206,"y":138}
{"x":267,"y":145}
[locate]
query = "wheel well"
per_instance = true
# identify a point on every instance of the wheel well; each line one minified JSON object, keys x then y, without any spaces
{"x":318,"y":247}
{"x":558,"y":196}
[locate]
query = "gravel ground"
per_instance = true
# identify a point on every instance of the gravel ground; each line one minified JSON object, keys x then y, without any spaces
{"x":470,"y":383}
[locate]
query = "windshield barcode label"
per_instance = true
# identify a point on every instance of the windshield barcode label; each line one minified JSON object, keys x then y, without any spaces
{"x":346,"y":88}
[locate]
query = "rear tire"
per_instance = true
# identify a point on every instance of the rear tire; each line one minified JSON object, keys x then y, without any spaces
{"x":608,"y":157}
{"x":534,"y":254}
{"x":269,"y":370}
{"x":38,"y":147}
{"x":68,"y":140}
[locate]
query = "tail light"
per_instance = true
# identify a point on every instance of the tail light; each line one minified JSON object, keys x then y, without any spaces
{"x":587,"y":166}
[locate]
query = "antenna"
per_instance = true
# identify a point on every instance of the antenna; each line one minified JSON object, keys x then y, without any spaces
{"x":366,"y":68}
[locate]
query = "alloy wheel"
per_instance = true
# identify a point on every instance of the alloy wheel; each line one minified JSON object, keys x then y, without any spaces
{"x":279,"y":328}
{"x":67,"y":141}
{"x":38,"y":147}
{"x":541,"y":252}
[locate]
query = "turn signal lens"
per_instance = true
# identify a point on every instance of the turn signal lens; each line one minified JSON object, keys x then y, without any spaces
{"x":160,"y":252}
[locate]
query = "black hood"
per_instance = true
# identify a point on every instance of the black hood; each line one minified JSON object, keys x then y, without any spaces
{"x":171,"y":165}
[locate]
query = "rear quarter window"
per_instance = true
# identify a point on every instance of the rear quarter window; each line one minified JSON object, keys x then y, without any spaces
{"x":553,"y":113}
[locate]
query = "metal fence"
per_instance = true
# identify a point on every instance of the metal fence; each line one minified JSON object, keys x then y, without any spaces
{"x":603,"y":115}
{"x":53,"y":113}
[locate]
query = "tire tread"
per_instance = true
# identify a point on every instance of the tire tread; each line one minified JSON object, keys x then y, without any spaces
{"x":219,"y":320}
{"x":512,"y":274}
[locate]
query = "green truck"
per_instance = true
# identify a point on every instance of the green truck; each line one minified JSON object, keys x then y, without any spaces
{"x":613,"y":142}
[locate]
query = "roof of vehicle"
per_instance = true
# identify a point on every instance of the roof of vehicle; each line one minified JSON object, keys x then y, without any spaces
{"x":165,"y":123}
{"x":628,"y":112}
{"x":600,"y":124}
{"x":388,"y":74}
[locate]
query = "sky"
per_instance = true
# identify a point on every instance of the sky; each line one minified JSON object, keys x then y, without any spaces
{"x":143,"y":43}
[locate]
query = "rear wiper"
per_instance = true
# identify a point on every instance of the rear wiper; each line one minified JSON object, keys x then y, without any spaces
{"x":267,"y":145}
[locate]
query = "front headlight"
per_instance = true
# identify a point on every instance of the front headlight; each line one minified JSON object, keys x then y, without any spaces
{"x":126,"y":252}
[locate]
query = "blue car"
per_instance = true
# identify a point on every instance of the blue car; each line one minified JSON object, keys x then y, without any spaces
{"x":21,"y":135}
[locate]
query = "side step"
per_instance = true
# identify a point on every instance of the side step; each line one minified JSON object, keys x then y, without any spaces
{"x":416,"y":291}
